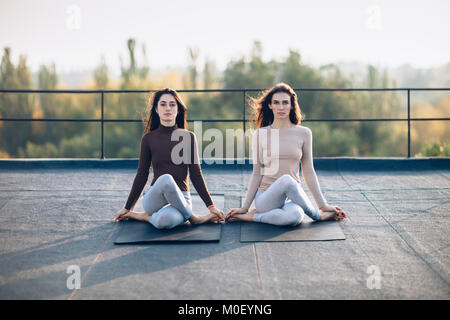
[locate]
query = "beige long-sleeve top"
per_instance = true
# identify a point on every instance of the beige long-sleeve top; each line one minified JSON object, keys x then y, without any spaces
{"x":277,"y":152}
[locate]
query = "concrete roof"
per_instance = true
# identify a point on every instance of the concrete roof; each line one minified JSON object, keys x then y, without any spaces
{"x":55,"y":214}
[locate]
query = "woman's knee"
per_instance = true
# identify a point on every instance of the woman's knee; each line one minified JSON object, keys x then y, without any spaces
{"x":294,"y":218}
{"x":295,"y":214}
{"x":299,"y":215}
{"x":287,"y":181}
{"x":165,"y":180}
{"x":162,"y":221}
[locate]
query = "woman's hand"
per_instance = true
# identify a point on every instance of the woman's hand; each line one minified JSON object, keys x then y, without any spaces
{"x":121,"y":214}
{"x":217,"y":212}
{"x":234,"y":211}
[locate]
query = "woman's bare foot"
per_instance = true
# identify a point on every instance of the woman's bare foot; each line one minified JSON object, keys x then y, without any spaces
{"x":332,"y":215}
{"x":243,"y":216}
{"x":140,"y":216}
{"x":197,"y":219}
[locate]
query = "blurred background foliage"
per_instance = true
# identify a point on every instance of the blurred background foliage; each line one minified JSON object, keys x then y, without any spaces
{"x":68,"y":139}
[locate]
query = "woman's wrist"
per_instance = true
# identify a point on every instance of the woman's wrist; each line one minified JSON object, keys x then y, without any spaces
{"x":211,"y":206}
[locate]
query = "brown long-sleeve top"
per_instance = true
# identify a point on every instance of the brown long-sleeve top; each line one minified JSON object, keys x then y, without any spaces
{"x":169,"y":150}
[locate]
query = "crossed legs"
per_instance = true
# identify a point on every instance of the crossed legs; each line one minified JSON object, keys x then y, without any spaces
{"x":272,"y":207}
{"x":166,"y":206}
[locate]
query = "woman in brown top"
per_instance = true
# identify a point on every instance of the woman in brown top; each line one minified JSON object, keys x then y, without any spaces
{"x":172,"y":152}
{"x":279,"y":145}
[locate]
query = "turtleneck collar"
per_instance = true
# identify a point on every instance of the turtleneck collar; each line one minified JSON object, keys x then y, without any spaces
{"x":165,"y":129}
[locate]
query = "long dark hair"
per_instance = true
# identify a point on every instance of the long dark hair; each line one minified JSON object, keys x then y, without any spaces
{"x":263,"y":115}
{"x":153,"y":120}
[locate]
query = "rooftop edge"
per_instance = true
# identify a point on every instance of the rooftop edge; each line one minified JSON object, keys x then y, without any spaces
{"x":332,"y":163}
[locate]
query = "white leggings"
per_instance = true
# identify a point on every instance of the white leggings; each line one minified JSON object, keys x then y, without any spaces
{"x":284,"y":203}
{"x":166,"y":205}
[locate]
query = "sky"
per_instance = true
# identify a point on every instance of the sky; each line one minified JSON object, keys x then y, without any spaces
{"x":75,"y":34}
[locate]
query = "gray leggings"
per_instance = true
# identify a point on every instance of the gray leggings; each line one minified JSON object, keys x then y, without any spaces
{"x":274,"y":208}
{"x":166,"y":204}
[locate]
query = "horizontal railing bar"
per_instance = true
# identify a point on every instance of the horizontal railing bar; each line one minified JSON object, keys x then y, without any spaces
{"x":220,"y":120}
{"x":107,"y":120}
{"x":375,"y":119}
{"x":215,"y":90}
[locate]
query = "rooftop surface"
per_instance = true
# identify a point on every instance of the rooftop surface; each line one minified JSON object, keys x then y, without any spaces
{"x":56,"y":214}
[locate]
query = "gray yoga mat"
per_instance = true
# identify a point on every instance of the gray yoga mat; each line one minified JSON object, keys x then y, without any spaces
{"x":133,"y":231}
{"x":308,"y":230}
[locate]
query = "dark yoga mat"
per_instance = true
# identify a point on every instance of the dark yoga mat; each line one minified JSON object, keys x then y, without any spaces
{"x":308,"y":230}
{"x":133,"y":231}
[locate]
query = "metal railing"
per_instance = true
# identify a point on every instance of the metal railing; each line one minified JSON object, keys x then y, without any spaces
{"x":243,"y":120}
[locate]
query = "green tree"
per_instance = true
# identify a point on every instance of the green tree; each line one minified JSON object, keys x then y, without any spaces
{"x":101,"y":75}
{"x":209,"y":75}
{"x":48,"y":80}
{"x":192,"y":67}
{"x":133,"y":72}
{"x":434,"y":149}
{"x":8,"y":80}
{"x":14,"y":105}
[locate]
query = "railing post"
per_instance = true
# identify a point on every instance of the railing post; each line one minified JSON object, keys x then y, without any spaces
{"x":103,"y":122}
{"x":243,"y":121}
{"x":409,"y":126}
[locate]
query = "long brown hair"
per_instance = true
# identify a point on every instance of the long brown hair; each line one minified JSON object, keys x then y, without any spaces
{"x":263,"y":115}
{"x":153,"y":120}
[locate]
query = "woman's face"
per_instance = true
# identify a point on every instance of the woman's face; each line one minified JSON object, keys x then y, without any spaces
{"x":167,"y":108}
{"x":281,"y":105}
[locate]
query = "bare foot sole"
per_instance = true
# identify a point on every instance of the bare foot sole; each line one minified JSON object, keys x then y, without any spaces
{"x":197,"y":219}
{"x":331,"y":215}
{"x":140,"y":216}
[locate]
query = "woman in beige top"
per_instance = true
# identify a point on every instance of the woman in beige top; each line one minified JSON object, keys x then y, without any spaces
{"x":279,"y":144}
